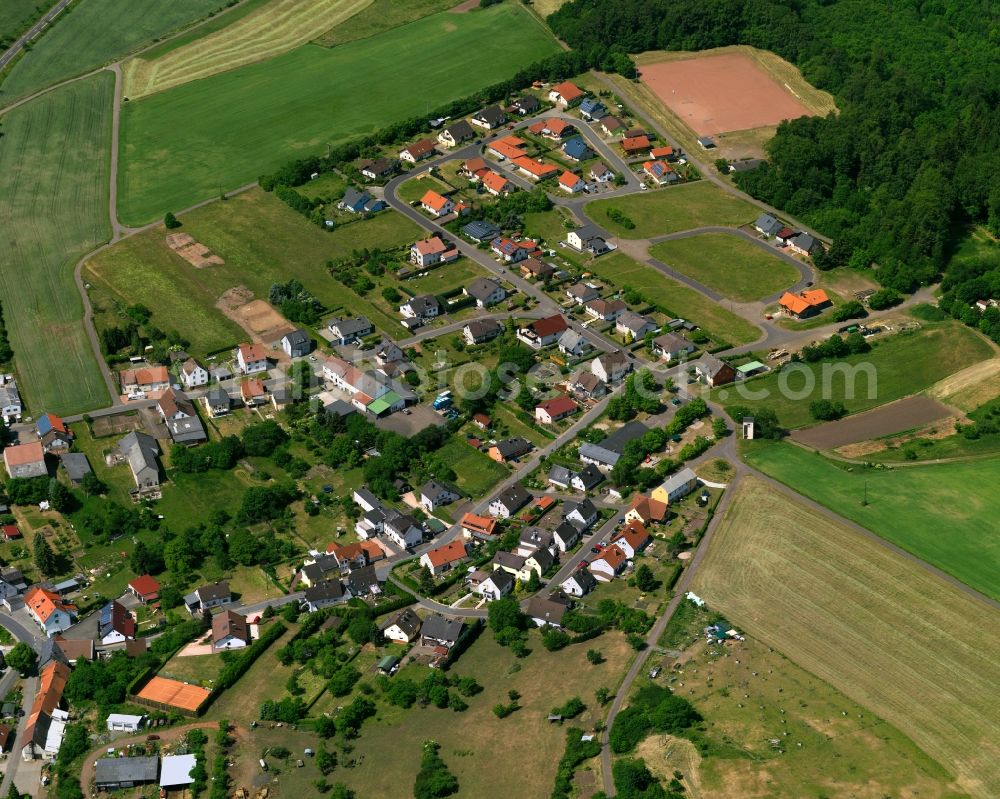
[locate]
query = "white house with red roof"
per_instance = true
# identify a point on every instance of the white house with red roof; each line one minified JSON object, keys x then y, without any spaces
{"x":436,"y":204}
{"x":444,"y":558}
{"x":251,"y":358}
{"x":565,"y":94}
{"x":432,"y":251}
{"x":49,"y":611}
{"x":571,"y":183}
{"x":609,"y":564}
{"x":552,"y":410}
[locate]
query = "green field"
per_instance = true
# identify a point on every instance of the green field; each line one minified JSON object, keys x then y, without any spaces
{"x":671,"y":210}
{"x":262,"y":242}
{"x":731,"y":266}
{"x":679,"y":300}
{"x":16,"y":16}
{"x":54,"y":210}
{"x":91,"y":33}
{"x":896,"y":367}
{"x":379,"y":17}
{"x":181,"y":145}
{"x":937,"y":512}
{"x":216,"y":23}
{"x":476,"y":472}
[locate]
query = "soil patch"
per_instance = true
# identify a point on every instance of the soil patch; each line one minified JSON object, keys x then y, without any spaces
{"x":970,"y":388}
{"x":256,"y":317}
{"x":198,"y":255}
{"x":721,"y":93}
{"x":895,"y":417}
{"x":468,"y":5}
{"x":943,"y":428}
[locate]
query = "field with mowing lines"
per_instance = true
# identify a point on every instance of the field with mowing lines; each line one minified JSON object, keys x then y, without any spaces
{"x":92,"y":33}
{"x":381,"y":16}
{"x":896,"y":367}
{"x":732,"y":266}
{"x":181,"y":145}
{"x":889,"y":635}
{"x":671,"y":210}
{"x":275,"y":28}
{"x":620,"y":270}
{"x":262,"y":242}
{"x":937,"y":511}
{"x":54,"y":209}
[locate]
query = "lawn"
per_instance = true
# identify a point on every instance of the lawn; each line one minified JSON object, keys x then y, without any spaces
{"x":54,"y":210}
{"x":268,"y":31}
{"x":477,"y":473}
{"x":16,"y":16}
{"x":262,"y":242}
{"x":195,"y":669}
{"x":674,"y":298}
{"x":445,"y":278}
{"x":379,"y":17}
{"x":732,"y":266}
{"x":118,"y":478}
{"x":94,"y":32}
{"x":189,"y":499}
{"x":894,"y":638}
{"x":671,"y":210}
{"x":181,"y":145}
{"x":911,"y":507}
{"x":520,"y":752}
{"x":896,"y":367}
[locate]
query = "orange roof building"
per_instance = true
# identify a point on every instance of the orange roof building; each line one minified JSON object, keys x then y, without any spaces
{"x":565,"y":93}
{"x":508,"y":147}
{"x":495,"y":183}
{"x":662,"y":152}
{"x":635,"y":144}
{"x":151,"y":378}
{"x":646,"y":510}
{"x":46,"y":722}
{"x":631,"y":539}
{"x":534,"y":168}
{"x":436,"y":203}
{"x":165,"y":693}
{"x":49,"y":611}
{"x":805,"y":304}
{"x":478,"y":526}
{"x":145,"y":588}
{"x":25,"y":460}
{"x":442,"y":558}
{"x":571,"y":183}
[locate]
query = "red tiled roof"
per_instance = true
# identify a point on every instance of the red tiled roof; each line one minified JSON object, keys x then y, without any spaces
{"x":44,"y":603}
{"x":430,"y":246}
{"x":452,"y":552}
{"x":494,"y":181}
{"x":433,"y":200}
{"x":557,"y":406}
{"x":534,"y":167}
{"x":483,"y":524}
{"x":569,"y":180}
{"x":253,"y":352}
{"x":21,"y":454}
{"x":635,"y":143}
{"x":549,"y":325}
{"x":568,"y":91}
{"x":145,"y":586}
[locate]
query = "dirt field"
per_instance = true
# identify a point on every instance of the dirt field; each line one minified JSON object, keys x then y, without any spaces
{"x":256,"y":317}
{"x":971,"y":387}
{"x":111,"y":425}
{"x":876,"y":626}
{"x":198,"y":255}
{"x":895,"y":417}
{"x":722,"y":93}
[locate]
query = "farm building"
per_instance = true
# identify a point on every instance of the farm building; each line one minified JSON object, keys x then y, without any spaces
{"x":116,"y":773}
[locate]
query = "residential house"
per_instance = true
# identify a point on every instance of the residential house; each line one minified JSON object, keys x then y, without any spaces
{"x":437,"y":631}
{"x":251,"y":358}
{"x":804,"y":304}
{"x":434,"y":250}
{"x":785,"y":235}
{"x":141,"y":451}
{"x":47,"y":721}
{"x":767,"y":225}
{"x":565,"y":94}
{"x":587,"y":479}
{"x":403,"y":627}
{"x":514,"y":564}
{"x":591,"y":108}
{"x":456,"y":133}
{"x":611,"y":367}
{"x":193,"y":374}
{"x":212,"y":595}
{"x":579,"y":583}
{"x":377,"y":169}
{"x":423,"y":306}
{"x":553,"y":128}
{"x":547,"y":611}
{"x":482,"y":421}
{"x":509,"y":501}
{"x":588,"y":239}
{"x":364,"y":582}
{"x":11,"y":406}
{"x":573,"y":344}
{"x":324,"y":594}
{"x":297,"y":343}
{"x":581,"y":515}
{"x":533,"y":539}
{"x":493,"y":585}
{"x":11,"y":532}
{"x":632,"y":539}
{"x":356,"y":555}
{"x":588,"y":385}
{"x":676,"y":487}
{"x":76,"y":465}
{"x":357,"y":201}
{"x":174,"y":405}
{"x":509,"y":449}
{"x":635,"y":145}
{"x":319,"y":567}
{"x":606,"y":454}
{"x":665,"y":153}
{"x":220,"y":374}
{"x":52,"y":431}
{"x":217,"y":401}
{"x":145,"y":588}
{"x":436,"y":204}
{"x":714,"y":372}
{"x":611,"y":125}
{"x":485,"y":292}
{"x":543,"y":332}
{"x":123,"y":722}
{"x":480,"y":230}
{"x":565,"y":536}
{"x":479,"y":331}
{"x":445,"y":557}
{"x":496,"y":184}
{"x":489,"y":118}
{"x":253,"y":392}
{"x":138,"y":382}
{"x":230,"y":631}
{"x":576,"y":149}
{"x":554,"y":409}
{"x":572,"y":184}
{"x":646,"y":510}
{"x":25,"y":460}
{"x":344,"y":331}
{"x":481,"y":527}
{"x":434,"y":495}
{"x":605,"y":310}
{"x":525,"y":105}
{"x":671,"y":346}
{"x":509,"y":147}
{"x":418,"y":151}
{"x":474,"y":168}
{"x":49,"y":610}
{"x":533,"y":268}
{"x":600,"y":173}
{"x":402,"y":530}
{"x":660,"y":172}
{"x":115,"y":624}
{"x":533,"y":168}
{"x":609,"y":564}
{"x":804,"y":244}
{"x":634,"y":325}
{"x":706,"y":142}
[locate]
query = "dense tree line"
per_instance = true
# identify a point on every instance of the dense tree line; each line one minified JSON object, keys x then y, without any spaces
{"x":914,"y":149}
{"x":295,"y":302}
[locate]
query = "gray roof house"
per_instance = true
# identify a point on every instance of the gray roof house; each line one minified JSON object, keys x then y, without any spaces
{"x":140,"y":451}
{"x":187,"y":430}
{"x":485,"y":292}
{"x":490,"y":118}
{"x":480,"y":230}
{"x":297,"y":343}
{"x":587,"y":478}
{"x":509,"y":501}
{"x":345,"y":330}
{"x":217,"y":401}
{"x":439,"y":631}
{"x":573,"y":343}
{"x":767,"y":224}
{"x":560,"y":476}
{"x":606,"y":454}
{"x":635,"y":325}
{"x":671,"y":346}
{"x":76,"y":465}
{"x":324,"y":594}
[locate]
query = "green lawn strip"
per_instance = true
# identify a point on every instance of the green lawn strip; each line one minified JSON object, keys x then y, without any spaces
{"x":671,"y":210}
{"x":91,"y":33}
{"x":55,"y":210}
{"x":379,"y":17}
{"x":182,"y":145}
{"x":620,"y":270}
{"x":445,"y":278}
{"x":732,"y":266}
{"x":903,"y":364}
{"x":477,"y":473}
{"x":936,"y":512}
{"x":118,"y":478}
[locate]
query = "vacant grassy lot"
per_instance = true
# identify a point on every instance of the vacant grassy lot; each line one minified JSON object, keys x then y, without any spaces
{"x":901,"y":364}
{"x":732,"y":266}
{"x":656,"y":213}
{"x":911,"y":507}
{"x":381,"y":16}
{"x":480,"y":749}
{"x":181,"y":145}
{"x":620,"y":270}
{"x":262,"y":242}
{"x":477,"y":473}
{"x":89,"y":34}
{"x":16,"y":16}
{"x":54,"y":209}
{"x":270,"y":30}
{"x":195,"y":669}
{"x":892,"y":637}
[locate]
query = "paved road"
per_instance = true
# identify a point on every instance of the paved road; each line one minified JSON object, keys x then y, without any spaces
{"x":11,"y":52}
